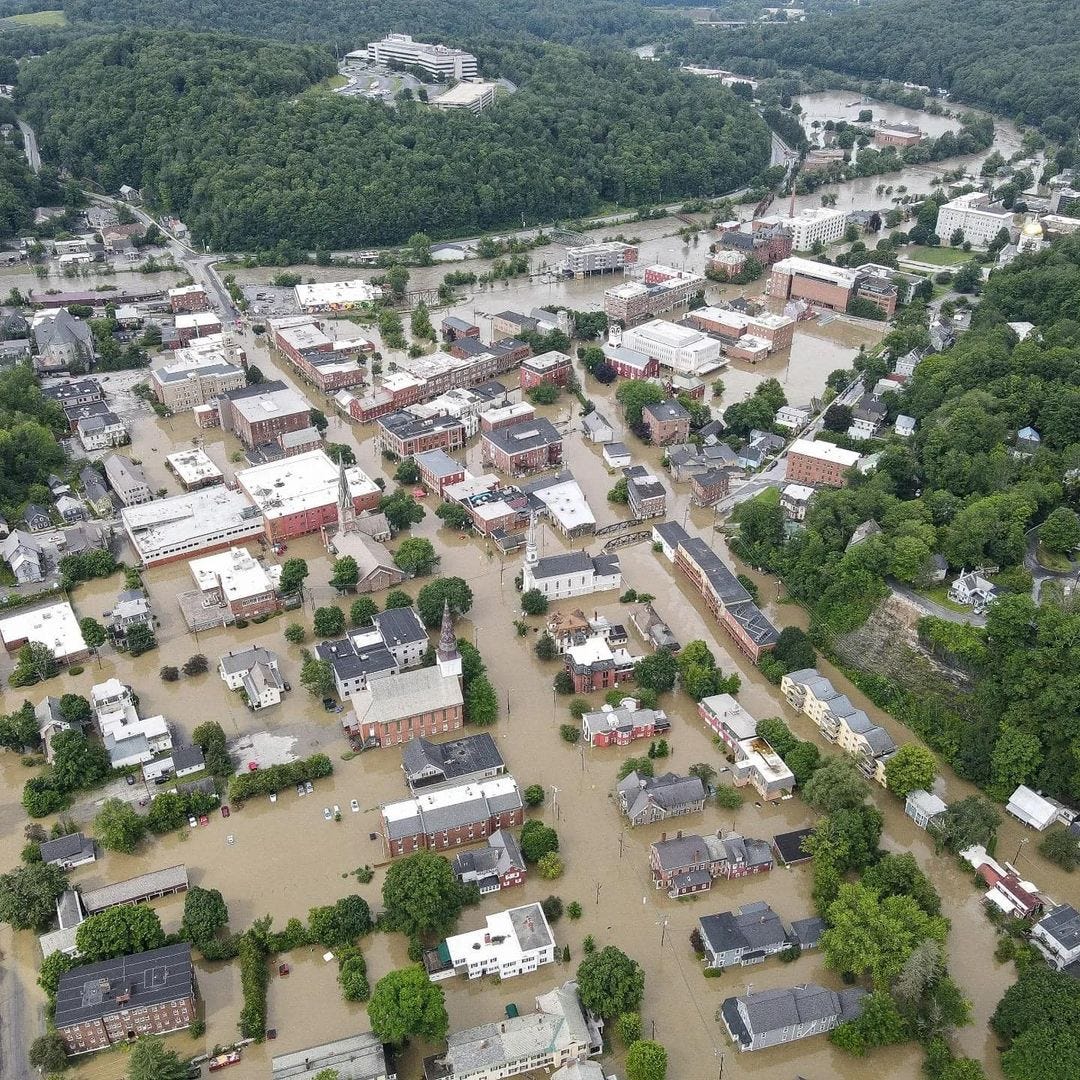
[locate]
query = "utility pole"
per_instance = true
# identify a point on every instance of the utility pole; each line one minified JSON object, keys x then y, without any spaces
{"x":598,"y":888}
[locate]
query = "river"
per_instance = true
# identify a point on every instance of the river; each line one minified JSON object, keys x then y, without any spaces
{"x":285,"y":858}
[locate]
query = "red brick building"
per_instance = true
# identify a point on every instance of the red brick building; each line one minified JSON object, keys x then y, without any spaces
{"x":440,"y":820}
{"x":819,"y":463}
{"x":438,"y":469}
{"x":817,"y":283}
{"x":527,"y":447}
{"x":317,"y":358}
{"x":504,"y":416}
{"x":258,"y":414}
{"x":196,"y":324}
{"x":407,"y":435}
{"x":116,"y":1001}
{"x":708,"y":488}
{"x":668,"y":422}
{"x":551,"y":367}
{"x":188,"y":298}
{"x":423,"y":702}
{"x":593,"y":665}
{"x":631,"y":364}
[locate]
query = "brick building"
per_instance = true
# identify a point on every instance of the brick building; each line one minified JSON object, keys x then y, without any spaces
{"x":594,"y":665}
{"x":623,"y":725}
{"x":451,"y":817}
{"x":526,"y":447}
{"x":686,"y":863}
{"x":819,"y":463}
{"x":258,"y":414}
{"x":708,"y":488}
{"x":115,"y":1001}
{"x":412,"y":704}
{"x":438,"y":469}
{"x":188,"y":298}
{"x":196,"y":324}
{"x":405,"y":434}
{"x":631,"y":364}
{"x":197,"y":376}
{"x":816,"y":283}
{"x":647,"y":495}
{"x":767,"y":242}
{"x":551,"y":367}
{"x":323,"y":361}
{"x":661,"y":289}
{"x":668,"y":422}
{"x":504,"y":416}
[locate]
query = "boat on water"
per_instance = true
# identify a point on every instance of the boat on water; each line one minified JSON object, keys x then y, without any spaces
{"x":223,"y":1061}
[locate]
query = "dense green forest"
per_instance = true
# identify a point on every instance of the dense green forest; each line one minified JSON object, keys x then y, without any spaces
{"x":958,"y":489}
{"x":1019,"y":59}
{"x":348,"y":25}
{"x":219,"y":129}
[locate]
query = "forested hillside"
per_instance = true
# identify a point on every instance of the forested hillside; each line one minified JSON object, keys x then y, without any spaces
{"x":346,"y":24}
{"x":219,"y":129}
{"x":1016,"y":58}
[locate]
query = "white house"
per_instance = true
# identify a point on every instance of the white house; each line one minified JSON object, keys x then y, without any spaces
{"x":923,"y":807}
{"x":512,"y":943}
{"x":972,"y":589}
{"x":256,"y":673}
{"x":101,"y":432}
{"x":1057,"y":937}
{"x":1031,"y":808}
{"x":129,"y":738}
{"x":791,"y":417}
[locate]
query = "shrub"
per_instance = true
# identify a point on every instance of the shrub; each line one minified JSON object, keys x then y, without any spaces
{"x":169,"y":673}
{"x":196,"y":665}
{"x":573,"y":909}
{"x":552,"y":908}
{"x":579,"y":706}
{"x":550,"y":866}
{"x":728,"y":798}
{"x":570,"y":733}
{"x":295,"y":634}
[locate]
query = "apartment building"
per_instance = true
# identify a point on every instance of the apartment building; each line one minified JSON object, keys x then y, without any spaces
{"x":816,"y":283}
{"x":239,"y":582}
{"x":661,"y":289}
{"x":608,"y":257}
{"x":979,"y":219}
{"x":647,"y":494}
{"x":197,"y":375}
{"x":188,"y":298}
{"x":258,"y":414}
{"x":127,"y":480}
{"x":821,"y":464}
{"x":513,"y":942}
{"x":327,"y":363}
{"x":816,"y":225}
{"x":623,"y":724}
{"x":550,"y":367}
{"x":525,"y":447}
{"x":763,"y":1018}
{"x":405,"y":434}
{"x":667,"y":422}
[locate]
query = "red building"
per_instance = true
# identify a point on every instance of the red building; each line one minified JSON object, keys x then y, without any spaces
{"x":407,"y":435}
{"x":188,"y":298}
{"x":708,"y":488}
{"x":687,"y":863}
{"x":668,"y":422}
{"x":196,"y":324}
{"x":631,"y":364}
{"x":593,"y":665}
{"x":505,"y":416}
{"x":527,"y":447}
{"x":819,"y":463}
{"x":551,"y":367}
{"x":438,"y":469}
{"x":258,"y":414}
{"x":623,"y":725}
{"x":318,"y":359}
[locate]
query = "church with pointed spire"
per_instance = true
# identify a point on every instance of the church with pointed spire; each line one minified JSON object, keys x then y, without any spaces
{"x":571,"y":573}
{"x":448,"y":655}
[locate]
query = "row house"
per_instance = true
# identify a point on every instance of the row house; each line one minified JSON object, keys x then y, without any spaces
{"x":687,"y":863}
{"x":550,"y":367}
{"x":594,"y":665}
{"x":406,"y":435}
{"x":325,"y":362}
{"x":526,"y":447}
{"x":258,"y":414}
{"x":646,"y":494}
{"x":623,"y":724}
{"x":648,"y":799}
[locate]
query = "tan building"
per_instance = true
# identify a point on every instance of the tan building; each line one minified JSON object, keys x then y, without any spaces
{"x":195,"y":377}
{"x":819,"y":463}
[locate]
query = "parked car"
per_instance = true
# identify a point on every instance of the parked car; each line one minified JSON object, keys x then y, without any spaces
{"x":300,"y":790}
{"x":337,"y":810}
{"x":130,"y":779}
{"x":326,"y":813}
{"x":308,"y":786}
{"x":225,"y":811}
{"x":273,"y":796}
{"x":193,"y":821}
{"x":355,"y":806}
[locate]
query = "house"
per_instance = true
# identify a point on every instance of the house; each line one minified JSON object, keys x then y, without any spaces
{"x":764,"y":1018}
{"x":51,"y":722}
{"x":68,"y":851}
{"x":1057,"y":937}
{"x":791,"y":417}
{"x":187,"y":760}
{"x":742,"y":937}
{"x":594,"y":665}
{"x":559,"y":1033}
{"x":863,"y":533}
{"x":26,"y":556}
{"x":356,"y":1057}
{"x":1008,"y":892}
{"x":95,"y":493}
{"x":396,"y":640}
{"x":101,"y":432}
{"x":70,"y":509}
{"x":37,"y":518}
{"x":574,"y":573}
{"x":256,"y":673}
{"x":904,"y":427}
{"x":402,"y":632}
{"x":526,"y":447}
{"x":596,"y":428}
{"x":513,"y":942}
{"x":429,"y":766}
{"x":806,"y":933}
{"x":61,"y":341}
{"x":688,"y":863}
{"x":132,"y":608}
{"x":1031,"y":808}
{"x":451,"y":817}
{"x":667,"y":422}
{"x":623,"y":724}
{"x":1028,"y":441}
{"x":100,"y":1005}
{"x":127,"y":480}
{"x":924,"y":808}
{"x":867,"y":417}
{"x":647,"y":799}
{"x":129,"y":738}
{"x":647,"y":495}
{"x":709,"y":487}
{"x":616,"y":455}
{"x":789,"y":846}
{"x":653,"y":630}
{"x":499,"y":865}
{"x":974,"y":590}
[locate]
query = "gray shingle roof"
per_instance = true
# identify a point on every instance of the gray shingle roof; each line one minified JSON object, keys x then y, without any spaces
{"x":400,"y":626}
{"x":755,"y":926}
{"x":66,"y":847}
{"x":527,"y":435}
{"x":460,"y":757}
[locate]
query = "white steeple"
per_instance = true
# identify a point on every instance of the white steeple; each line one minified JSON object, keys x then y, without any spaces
{"x":531,"y":557}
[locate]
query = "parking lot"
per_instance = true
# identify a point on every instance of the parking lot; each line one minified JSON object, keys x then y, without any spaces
{"x":379,"y":83}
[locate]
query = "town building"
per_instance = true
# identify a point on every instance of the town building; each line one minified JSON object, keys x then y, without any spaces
{"x":493,"y":509}
{"x":726,"y":598}
{"x":1032,"y":809}
{"x":188,"y":298}
{"x":924,"y":808}
{"x":647,"y":799}
{"x":127,"y":480}
{"x":976,"y":216}
{"x":506,"y":415}
{"x":329,"y":364}
{"x":438,"y":469}
{"x":764,"y":1018}
{"x":747,"y":935}
{"x":104,"y":1004}
{"x":396,"y":640}
{"x":429,"y":766}
{"x":101,"y":432}
{"x":597,"y":428}
{"x":1057,"y":937}
{"x":661,"y":289}
{"x":197,"y":522}
{"x":405,"y":434}
{"x":680,"y":348}
{"x":450,"y":817}
{"x":474,"y":95}
{"x":27,"y":557}
{"x":197,"y":375}
{"x":819,"y":463}
{"x":559,"y":497}
{"x":452,"y":328}
{"x":667,"y":422}
{"x":574,"y":573}
{"x":238,"y":582}
{"x":129,"y":739}
{"x":629,"y":363}
{"x":194,"y":469}
{"x":686,"y":863}
{"x":819,"y":284}
{"x":647,"y":495}
{"x":400,"y":50}
{"x":356,"y":1057}
{"x":68,"y":851}
{"x":256,"y":672}
{"x":891,"y":133}
{"x":607,"y":257}
{"x":559,"y":1033}
{"x":61,"y":341}
{"x":300,"y":495}
{"x":550,"y":367}
{"x":53,"y":625}
{"x":259,"y":414}
{"x":525,"y":447}
{"x":708,"y":488}
{"x":623,"y":724}
{"x":196,"y":324}
{"x":513,"y":942}
{"x":499,"y":865}
{"x":815,"y":225}
{"x":767,"y":241}
{"x":333,"y":296}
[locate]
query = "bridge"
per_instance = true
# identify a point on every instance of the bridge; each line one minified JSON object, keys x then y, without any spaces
{"x":568,"y":238}
{"x":619,"y":526}
{"x":627,"y":540}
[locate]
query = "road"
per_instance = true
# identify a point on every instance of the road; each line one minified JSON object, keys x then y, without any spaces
{"x":30,"y":145}
{"x":931,"y":607}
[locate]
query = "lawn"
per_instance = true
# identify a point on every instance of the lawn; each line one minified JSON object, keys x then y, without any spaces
{"x":334,"y":82}
{"x":940,"y":595}
{"x":1052,"y":561}
{"x":937,"y":256}
{"x":36,"y":18}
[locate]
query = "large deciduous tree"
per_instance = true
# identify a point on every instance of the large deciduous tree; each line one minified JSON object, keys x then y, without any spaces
{"x":420,"y":894}
{"x":405,"y":1003}
{"x":610,"y":982}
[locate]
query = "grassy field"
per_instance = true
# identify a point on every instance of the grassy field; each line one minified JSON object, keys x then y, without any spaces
{"x":335,"y":82}
{"x":36,"y":18}
{"x":937,"y":256}
{"x":940,"y":595}
{"x":1052,"y":561}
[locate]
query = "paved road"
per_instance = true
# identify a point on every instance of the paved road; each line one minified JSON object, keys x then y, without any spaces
{"x":30,"y":146}
{"x":931,"y":607}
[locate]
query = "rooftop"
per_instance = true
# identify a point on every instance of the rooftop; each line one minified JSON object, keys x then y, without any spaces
{"x":461,"y":804}
{"x":407,"y":694}
{"x":450,"y":760}
{"x":54,"y":625}
{"x":834,"y":275}
{"x":268,"y":400}
{"x":236,"y":572}
{"x":439,"y":463}
{"x":164,"y":525}
{"x":507,"y":936}
{"x":666,"y":410}
{"x":336,"y":293}
{"x":137,"y":888}
{"x":303,"y":482}
{"x":528,"y":435}
{"x":825,"y":451}
{"x":193,"y":466}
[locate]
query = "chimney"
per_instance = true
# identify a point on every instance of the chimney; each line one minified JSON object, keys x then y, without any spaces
{"x":487,"y":939}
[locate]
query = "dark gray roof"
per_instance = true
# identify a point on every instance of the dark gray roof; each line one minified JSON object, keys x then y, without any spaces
{"x":400,"y":626}
{"x":356,"y":1057}
{"x":255,"y":390}
{"x":671,"y":532}
{"x":406,"y":425}
{"x":527,"y":435}
{"x":789,"y":845}
{"x":187,"y":757}
{"x":1063,"y":925}
{"x":350,"y":664}
{"x":807,"y":932}
{"x":66,"y":847}
{"x":572,"y":562}
{"x":772,"y":1010}
{"x":150,"y":978}
{"x":460,"y":757}
{"x":246,"y":659}
{"x":667,"y":410}
{"x":755,"y":926}
{"x":685,"y":850}
{"x":669,"y":792}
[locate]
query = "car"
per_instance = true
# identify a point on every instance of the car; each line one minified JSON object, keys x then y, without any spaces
{"x":300,"y":790}
{"x":337,"y":810}
{"x":308,"y":786}
{"x":273,"y":796}
{"x":161,"y":779}
{"x":253,"y":766}
{"x":329,"y":704}
{"x":225,"y":811}
{"x":130,"y":779}
{"x":354,"y":806}
{"x":326,"y":813}
{"x":203,"y":819}
{"x":193,"y":821}
{"x":419,"y":492}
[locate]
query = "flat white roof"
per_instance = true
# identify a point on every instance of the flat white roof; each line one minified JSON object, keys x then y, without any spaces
{"x":729,"y":318}
{"x":193,"y":466}
{"x":798,"y":492}
{"x":299,"y":483}
{"x":180,"y":524}
{"x":825,"y":451}
{"x":465,"y":93}
{"x":770,"y":320}
{"x":54,"y":625}
{"x":186,"y":319}
{"x":836,"y":275}
{"x":236,"y":572}
{"x":567,"y":504}
{"x":186,"y":290}
{"x":500,"y":941}
{"x":436,"y":800}
{"x":284,"y":402}
{"x":323,"y":293}
{"x":516,"y":410}
{"x":667,"y":333}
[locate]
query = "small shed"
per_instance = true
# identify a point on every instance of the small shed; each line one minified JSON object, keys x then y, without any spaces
{"x":923,"y":807}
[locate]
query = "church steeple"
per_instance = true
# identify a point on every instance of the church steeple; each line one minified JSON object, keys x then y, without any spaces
{"x":531,"y":557}
{"x":447,"y":655}
{"x":346,"y":511}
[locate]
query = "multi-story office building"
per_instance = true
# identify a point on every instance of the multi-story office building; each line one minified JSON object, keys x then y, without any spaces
{"x":819,"y":463}
{"x":401,"y":50}
{"x":974,"y":215}
{"x":603,"y":258}
{"x":813,"y":226}
{"x":198,"y":374}
{"x":681,"y":348}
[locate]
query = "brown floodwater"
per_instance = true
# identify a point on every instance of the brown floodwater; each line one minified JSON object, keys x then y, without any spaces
{"x":285,"y":858}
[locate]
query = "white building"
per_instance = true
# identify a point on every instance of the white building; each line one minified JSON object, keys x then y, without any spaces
{"x":924,"y":807}
{"x":129,"y":738}
{"x":53,"y":626}
{"x":814,"y":225}
{"x":575,"y":573}
{"x":1031,"y":808}
{"x":512,"y":943}
{"x":680,"y":348}
{"x":193,"y":468}
{"x":1057,"y":937}
{"x":335,"y":295}
{"x":973,"y":216}
{"x":184,"y":525}
{"x":602,"y":258}
{"x":791,"y":417}
{"x":438,"y":60}
{"x":474,"y":95}
{"x":256,"y":672}
{"x":101,"y":432}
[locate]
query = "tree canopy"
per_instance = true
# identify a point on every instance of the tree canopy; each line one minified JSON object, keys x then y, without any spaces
{"x":405,"y":1003}
{"x":420,"y":894}
{"x":610,"y":982}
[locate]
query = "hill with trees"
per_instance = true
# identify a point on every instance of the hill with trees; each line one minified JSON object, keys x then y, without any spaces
{"x":229,"y":134}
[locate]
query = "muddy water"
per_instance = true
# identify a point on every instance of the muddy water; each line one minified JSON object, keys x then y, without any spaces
{"x":285,"y":858}
{"x":23,"y":278}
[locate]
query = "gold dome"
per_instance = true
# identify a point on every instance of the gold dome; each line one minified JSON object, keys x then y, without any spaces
{"x":1032,"y":228}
